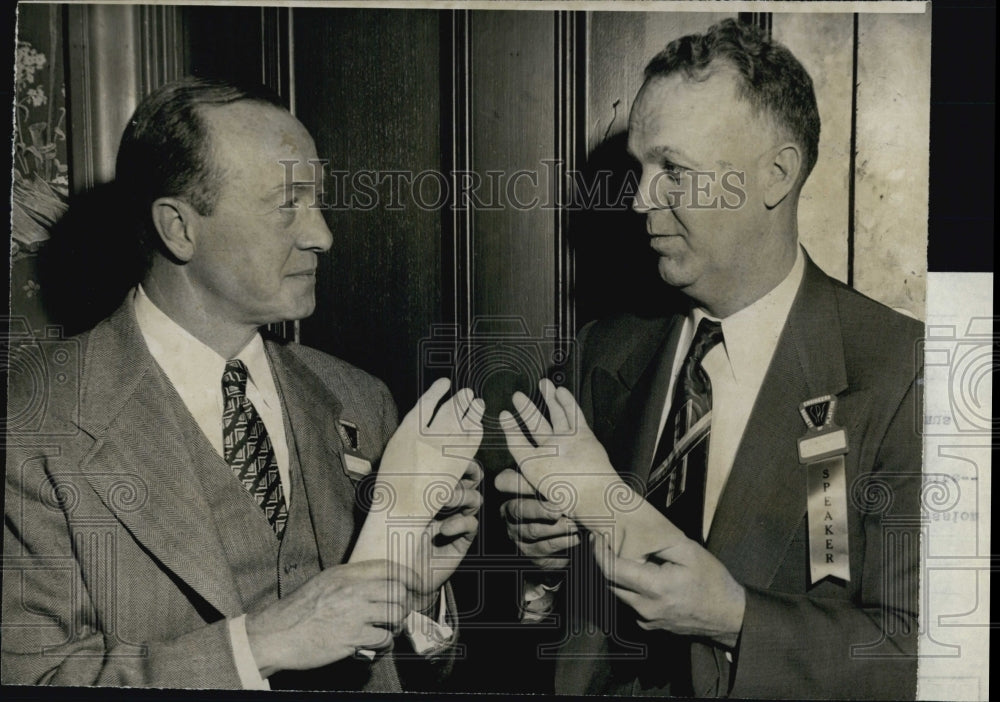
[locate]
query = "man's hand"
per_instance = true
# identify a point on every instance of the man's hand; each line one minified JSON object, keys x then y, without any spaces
{"x":541,"y":534}
{"x":685,"y":590}
{"x":340,"y":610}
{"x":448,"y":537}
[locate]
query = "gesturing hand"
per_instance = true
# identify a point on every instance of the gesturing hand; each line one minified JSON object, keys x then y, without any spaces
{"x":571,"y":470}
{"x":447,"y":537}
{"x":683,"y":589}
{"x":340,"y":610}
{"x":540,"y":532}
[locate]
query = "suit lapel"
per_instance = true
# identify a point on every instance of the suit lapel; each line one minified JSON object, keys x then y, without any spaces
{"x":764,"y":497}
{"x":633,"y":396}
{"x":312,"y":412}
{"x":140,"y":464}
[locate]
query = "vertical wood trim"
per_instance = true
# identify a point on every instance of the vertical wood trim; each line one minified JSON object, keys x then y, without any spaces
{"x":275,"y":58}
{"x":290,"y":58}
{"x":570,"y":137}
{"x":290,"y":62}
{"x":160,"y":38}
{"x":760,"y":19}
{"x":852,"y":155}
{"x":275,"y":70}
{"x":102,"y":81}
{"x":457,"y":162}
{"x":115,"y":55}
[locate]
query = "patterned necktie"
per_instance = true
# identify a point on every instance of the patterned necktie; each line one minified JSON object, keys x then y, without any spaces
{"x":248,"y":449}
{"x":676,"y":484}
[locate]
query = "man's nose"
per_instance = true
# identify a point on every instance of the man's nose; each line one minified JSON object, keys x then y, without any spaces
{"x":315,"y":235}
{"x":645,"y":197}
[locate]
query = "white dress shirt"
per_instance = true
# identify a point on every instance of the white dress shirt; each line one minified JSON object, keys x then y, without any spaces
{"x":195,"y":370}
{"x":736,"y":368}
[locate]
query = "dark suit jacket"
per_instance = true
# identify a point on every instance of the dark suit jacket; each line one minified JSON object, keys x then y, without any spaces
{"x":113,"y":573}
{"x":834,"y":639}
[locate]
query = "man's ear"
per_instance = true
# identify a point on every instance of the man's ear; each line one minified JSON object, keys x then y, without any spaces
{"x":177,"y":224}
{"x":782,"y":173}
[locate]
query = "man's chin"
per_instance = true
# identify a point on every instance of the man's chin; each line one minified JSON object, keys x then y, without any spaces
{"x":674,"y":273}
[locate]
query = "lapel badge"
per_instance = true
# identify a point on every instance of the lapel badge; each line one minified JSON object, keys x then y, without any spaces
{"x":349,"y":433}
{"x":823,"y":438}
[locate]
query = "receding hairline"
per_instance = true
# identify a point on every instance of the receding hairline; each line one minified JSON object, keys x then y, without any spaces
{"x":721,"y":67}
{"x":208,"y":115}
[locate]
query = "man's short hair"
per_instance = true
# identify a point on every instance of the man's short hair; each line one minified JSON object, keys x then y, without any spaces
{"x":166,"y":149}
{"x":769,"y":78}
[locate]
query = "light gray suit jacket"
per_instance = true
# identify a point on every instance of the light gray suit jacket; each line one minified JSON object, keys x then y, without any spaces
{"x":113,"y":573}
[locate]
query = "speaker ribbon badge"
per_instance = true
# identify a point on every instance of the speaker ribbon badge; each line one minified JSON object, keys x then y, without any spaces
{"x":821,"y":450}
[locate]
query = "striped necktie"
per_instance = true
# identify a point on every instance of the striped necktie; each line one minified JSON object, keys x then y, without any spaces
{"x":248,"y":449}
{"x":676,"y":483}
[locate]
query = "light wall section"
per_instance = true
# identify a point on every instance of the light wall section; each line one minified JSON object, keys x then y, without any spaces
{"x":892,"y":162}
{"x":824,"y":46}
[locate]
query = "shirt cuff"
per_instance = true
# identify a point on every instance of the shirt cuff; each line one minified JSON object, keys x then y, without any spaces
{"x":246,"y":666}
{"x":538,"y":600}
{"x":427,"y":636}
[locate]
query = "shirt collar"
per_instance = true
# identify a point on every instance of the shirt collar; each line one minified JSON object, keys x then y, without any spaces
{"x":194,"y":368}
{"x":751,"y":334}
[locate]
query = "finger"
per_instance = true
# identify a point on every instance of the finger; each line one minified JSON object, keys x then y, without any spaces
{"x":517,"y":443}
{"x":401,"y":578}
{"x":571,"y":410}
{"x":474,"y":412}
{"x":373,"y":637}
{"x":430,"y":399}
{"x":532,"y":417}
{"x":684,"y":552}
{"x":532,"y":510}
{"x":462,"y":400}
{"x":449,"y":416}
{"x":617,"y":571}
{"x":548,"y":547}
{"x":560,"y":422}
{"x":604,"y":556}
{"x":459,"y":525}
{"x":632,"y":599}
{"x":532,"y":532}
{"x":385,"y":613}
{"x":512,"y":482}
{"x":464,"y":498}
{"x":473,"y":475}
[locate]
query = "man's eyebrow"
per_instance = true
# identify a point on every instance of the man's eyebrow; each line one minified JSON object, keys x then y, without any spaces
{"x":283,"y":187}
{"x":297,"y":184}
{"x":671,"y":152}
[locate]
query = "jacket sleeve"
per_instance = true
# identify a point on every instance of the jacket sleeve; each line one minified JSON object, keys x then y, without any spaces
{"x":55,"y":629}
{"x":798,"y":646}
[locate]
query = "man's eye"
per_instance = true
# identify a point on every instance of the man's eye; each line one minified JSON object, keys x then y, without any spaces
{"x":673,"y":171}
{"x":290,"y":204}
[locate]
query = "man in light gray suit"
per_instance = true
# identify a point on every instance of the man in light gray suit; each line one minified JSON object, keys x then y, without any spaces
{"x":184,"y":517}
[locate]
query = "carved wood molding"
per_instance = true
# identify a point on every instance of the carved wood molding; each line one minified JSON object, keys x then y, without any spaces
{"x":456,"y":138}
{"x":116,"y":54}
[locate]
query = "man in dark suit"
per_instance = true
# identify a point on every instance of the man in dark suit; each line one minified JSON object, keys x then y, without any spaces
{"x":774,"y":421}
{"x":185,"y":514}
